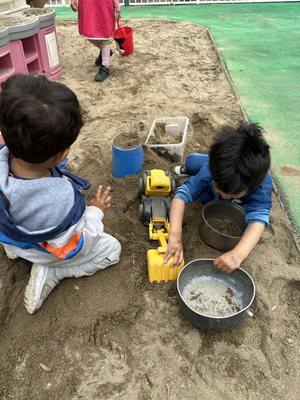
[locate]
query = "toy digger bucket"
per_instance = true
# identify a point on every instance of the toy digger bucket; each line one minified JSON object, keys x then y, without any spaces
{"x":123,"y":35}
{"x":159,"y":271}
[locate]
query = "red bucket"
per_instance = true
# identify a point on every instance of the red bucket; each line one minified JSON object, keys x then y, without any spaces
{"x":123,"y":35}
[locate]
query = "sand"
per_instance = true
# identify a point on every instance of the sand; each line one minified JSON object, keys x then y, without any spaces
{"x":40,"y":11}
{"x":212,"y":297}
{"x":114,"y":335}
{"x":7,"y":21}
{"x":225,"y":226}
{"x":160,"y":136}
{"x":128,"y":139}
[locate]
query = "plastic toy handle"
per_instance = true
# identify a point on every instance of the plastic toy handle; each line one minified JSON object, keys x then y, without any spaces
{"x":162,"y":241}
{"x":120,"y":23}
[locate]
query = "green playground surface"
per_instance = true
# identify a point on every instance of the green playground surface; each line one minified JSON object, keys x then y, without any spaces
{"x":260,"y":46}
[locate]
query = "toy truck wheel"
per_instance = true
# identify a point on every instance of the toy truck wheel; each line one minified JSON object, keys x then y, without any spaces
{"x":141,"y":186}
{"x":145,"y":213}
{"x":141,"y":212}
{"x":143,"y":182}
{"x":173,"y":185}
{"x":172,"y":181}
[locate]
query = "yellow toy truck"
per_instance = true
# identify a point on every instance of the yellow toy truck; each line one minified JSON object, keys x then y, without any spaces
{"x":154,"y":209}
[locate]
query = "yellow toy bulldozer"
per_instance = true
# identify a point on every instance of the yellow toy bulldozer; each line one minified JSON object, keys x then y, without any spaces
{"x":154,"y":210}
{"x":156,"y":182}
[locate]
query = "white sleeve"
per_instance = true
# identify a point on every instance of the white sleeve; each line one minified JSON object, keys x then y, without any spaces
{"x":94,"y":218}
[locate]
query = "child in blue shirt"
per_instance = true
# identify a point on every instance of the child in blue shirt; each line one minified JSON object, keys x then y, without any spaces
{"x":236,"y":169}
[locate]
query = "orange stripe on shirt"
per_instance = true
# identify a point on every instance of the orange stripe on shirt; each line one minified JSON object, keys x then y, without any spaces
{"x":62,"y":252}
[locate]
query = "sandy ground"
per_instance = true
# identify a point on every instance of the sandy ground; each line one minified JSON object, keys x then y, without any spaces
{"x":115,"y":335}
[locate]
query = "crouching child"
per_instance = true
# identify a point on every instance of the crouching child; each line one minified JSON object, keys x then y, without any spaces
{"x":43,"y":215}
{"x":236,"y":170}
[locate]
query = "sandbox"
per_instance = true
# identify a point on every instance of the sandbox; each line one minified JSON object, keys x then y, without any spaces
{"x":115,"y":335}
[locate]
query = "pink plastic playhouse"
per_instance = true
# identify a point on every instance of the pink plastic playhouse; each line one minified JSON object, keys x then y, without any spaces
{"x":28,"y":44}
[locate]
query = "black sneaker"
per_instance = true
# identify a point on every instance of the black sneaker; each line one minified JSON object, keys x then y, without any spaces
{"x":102,"y":74}
{"x":98,"y":61}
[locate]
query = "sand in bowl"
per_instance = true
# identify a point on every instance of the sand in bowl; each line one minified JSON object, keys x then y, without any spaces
{"x":225,"y":226}
{"x":160,"y":136}
{"x":128,"y":139}
{"x":212,"y":297}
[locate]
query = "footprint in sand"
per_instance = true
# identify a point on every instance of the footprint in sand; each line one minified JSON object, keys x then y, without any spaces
{"x":289,"y":171}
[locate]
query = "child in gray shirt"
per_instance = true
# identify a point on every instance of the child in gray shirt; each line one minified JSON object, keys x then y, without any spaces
{"x":43,"y":216}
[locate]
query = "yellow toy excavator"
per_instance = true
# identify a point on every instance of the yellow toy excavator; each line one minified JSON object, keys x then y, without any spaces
{"x":154,"y":210}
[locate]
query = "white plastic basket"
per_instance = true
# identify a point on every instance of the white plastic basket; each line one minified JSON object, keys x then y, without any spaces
{"x":176,"y":151}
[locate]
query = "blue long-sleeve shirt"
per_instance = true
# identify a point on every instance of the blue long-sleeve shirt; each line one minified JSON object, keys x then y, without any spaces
{"x":257,"y":203}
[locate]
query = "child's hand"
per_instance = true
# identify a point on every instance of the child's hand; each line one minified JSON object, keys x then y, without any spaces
{"x":118,"y":17}
{"x":175,"y":249}
{"x":74,"y":5}
{"x":228,"y":262}
{"x":102,"y":199}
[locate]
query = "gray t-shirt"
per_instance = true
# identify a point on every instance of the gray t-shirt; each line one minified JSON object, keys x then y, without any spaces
{"x":35,"y":205}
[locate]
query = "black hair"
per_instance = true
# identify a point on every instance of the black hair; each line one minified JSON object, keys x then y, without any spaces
{"x":239,"y":158}
{"x":38,"y":118}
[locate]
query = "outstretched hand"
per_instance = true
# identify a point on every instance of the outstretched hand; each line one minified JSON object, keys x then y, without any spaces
{"x":228,"y":262}
{"x":102,"y":199}
{"x":175,"y":249}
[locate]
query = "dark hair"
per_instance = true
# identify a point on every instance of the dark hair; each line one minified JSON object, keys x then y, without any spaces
{"x":38,"y":118}
{"x":239,"y":158}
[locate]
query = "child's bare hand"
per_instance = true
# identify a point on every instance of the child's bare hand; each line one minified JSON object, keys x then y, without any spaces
{"x":102,"y":198}
{"x":228,"y":262}
{"x":74,"y":5}
{"x":175,"y":249}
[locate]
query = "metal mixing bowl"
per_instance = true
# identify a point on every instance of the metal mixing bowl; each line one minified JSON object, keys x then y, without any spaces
{"x":239,"y":281}
{"x":222,"y":210}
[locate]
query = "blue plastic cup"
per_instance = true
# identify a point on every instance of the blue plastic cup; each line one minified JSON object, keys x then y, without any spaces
{"x":127,"y":161}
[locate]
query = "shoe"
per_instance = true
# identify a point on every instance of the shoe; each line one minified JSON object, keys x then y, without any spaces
{"x":180,"y":170}
{"x":98,"y":61}
{"x":42,"y":281}
{"x":10,"y":254}
{"x":102,"y":74}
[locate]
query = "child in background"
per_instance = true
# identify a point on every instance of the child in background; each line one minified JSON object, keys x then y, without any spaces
{"x":97,"y":21}
{"x":43,"y":216}
{"x":236,"y":170}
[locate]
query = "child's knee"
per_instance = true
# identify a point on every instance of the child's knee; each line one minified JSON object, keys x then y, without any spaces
{"x":194,"y":162}
{"x":115,"y":250}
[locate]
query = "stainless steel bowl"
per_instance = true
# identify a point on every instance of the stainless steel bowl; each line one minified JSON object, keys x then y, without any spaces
{"x":222,"y":210}
{"x":239,"y":281}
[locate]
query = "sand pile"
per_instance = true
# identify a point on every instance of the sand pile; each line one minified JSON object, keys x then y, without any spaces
{"x":161,"y":137}
{"x":7,"y":21}
{"x":114,"y":335}
{"x":131,"y":137}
